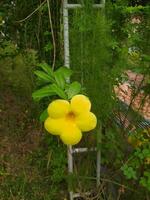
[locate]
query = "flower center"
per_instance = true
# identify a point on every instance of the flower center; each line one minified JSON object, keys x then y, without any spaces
{"x":70,"y":116}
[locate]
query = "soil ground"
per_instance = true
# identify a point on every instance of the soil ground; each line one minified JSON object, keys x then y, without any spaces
{"x":23,"y":154}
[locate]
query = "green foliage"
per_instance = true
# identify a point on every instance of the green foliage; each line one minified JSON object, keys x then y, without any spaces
{"x":100,"y":52}
{"x":129,"y":172}
{"x":73,"y":89}
{"x":61,"y":76}
{"x":113,"y":148}
{"x":131,"y":27}
{"x":8,"y":49}
{"x":97,"y":56}
{"x":45,"y":91}
{"x":46,"y":68}
{"x":44,"y":115}
{"x":137,"y":167}
{"x":30,"y":28}
{"x":145,"y":180}
{"x":56,"y":83}
{"x":59,"y":83}
{"x":43,"y":76}
{"x":16,"y":69}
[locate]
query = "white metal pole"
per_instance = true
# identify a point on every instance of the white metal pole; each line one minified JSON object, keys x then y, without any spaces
{"x":70,"y":167}
{"x":74,"y":6}
{"x":98,"y":167}
{"x":66,"y":34}
{"x":67,"y":64}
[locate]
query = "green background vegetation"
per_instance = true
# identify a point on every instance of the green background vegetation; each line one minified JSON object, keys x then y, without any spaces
{"x":34,"y":164}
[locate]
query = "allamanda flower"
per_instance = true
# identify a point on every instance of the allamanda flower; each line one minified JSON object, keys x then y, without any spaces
{"x":70,"y":119}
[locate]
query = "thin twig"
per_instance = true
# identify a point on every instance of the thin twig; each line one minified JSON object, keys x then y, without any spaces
{"x":116,"y":183}
{"x":22,"y":20}
{"x":119,"y":195}
{"x":53,"y":37}
{"x":38,"y":31}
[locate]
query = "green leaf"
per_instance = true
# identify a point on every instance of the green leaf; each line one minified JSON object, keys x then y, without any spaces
{"x":46,"y":68}
{"x":48,"y":47}
{"x":146,"y":58}
{"x":47,"y":33}
{"x":60,"y":80}
{"x":43,"y":92}
{"x":43,"y":76}
{"x":129,"y":172}
{"x":73,"y":89}
{"x":65,"y":72}
{"x":59,"y":91}
{"x":145,"y":180}
{"x":62,"y":75}
{"x":146,"y":153}
{"x":43,"y":115}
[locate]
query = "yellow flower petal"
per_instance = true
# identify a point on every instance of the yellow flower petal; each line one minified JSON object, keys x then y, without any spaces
{"x":86,"y":121}
{"x":54,"y":126}
{"x":71,"y":134}
{"x":80,"y":104}
{"x":58,"y":108}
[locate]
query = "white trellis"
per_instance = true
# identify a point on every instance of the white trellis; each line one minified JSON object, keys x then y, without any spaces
{"x":71,"y":150}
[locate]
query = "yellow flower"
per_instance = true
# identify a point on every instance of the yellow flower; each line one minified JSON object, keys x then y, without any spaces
{"x":70,"y":119}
